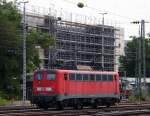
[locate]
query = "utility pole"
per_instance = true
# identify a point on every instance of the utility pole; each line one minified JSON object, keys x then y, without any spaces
{"x":102,"y":60}
{"x":139,"y":66}
{"x":103,"y":17}
{"x":24,"y":50}
{"x":143,"y":50}
{"x":141,"y":55}
{"x":49,"y":51}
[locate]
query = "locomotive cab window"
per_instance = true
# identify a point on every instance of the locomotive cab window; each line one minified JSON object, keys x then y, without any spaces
{"x":38,"y":76}
{"x":50,"y":77}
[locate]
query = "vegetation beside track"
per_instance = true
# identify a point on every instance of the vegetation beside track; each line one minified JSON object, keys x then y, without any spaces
{"x":11,"y":49}
{"x":4,"y":102}
{"x":139,"y":98}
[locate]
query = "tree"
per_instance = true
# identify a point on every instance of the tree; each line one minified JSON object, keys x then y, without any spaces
{"x":129,"y":61}
{"x":11,"y":48}
{"x":36,"y":38}
{"x":9,"y":45}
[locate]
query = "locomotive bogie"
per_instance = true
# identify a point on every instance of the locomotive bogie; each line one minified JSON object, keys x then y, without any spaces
{"x":77,"y":103}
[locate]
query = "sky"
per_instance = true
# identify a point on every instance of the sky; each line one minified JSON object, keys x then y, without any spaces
{"x":120,"y":13}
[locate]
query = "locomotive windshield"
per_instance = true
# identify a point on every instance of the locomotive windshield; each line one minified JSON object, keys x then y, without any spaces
{"x":38,"y":76}
{"x":51,"y":76}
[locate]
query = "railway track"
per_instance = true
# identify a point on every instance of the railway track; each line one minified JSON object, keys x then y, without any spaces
{"x":125,"y":113}
{"x":101,"y":111}
{"x":15,"y":107}
{"x":133,"y":103}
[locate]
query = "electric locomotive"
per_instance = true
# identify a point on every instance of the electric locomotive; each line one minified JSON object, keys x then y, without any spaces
{"x":62,"y":88}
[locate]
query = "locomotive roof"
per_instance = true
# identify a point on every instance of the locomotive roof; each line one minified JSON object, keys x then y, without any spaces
{"x":79,"y":71}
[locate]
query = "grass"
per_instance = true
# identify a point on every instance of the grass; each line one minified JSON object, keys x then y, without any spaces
{"x":137,"y":98}
{"x":4,"y":102}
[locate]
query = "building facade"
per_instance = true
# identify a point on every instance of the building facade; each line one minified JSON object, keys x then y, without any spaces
{"x":78,"y":44}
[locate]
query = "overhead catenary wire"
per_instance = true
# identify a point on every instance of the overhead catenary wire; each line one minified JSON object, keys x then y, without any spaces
{"x":37,"y":21}
{"x":111,"y":13}
{"x":36,"y":10}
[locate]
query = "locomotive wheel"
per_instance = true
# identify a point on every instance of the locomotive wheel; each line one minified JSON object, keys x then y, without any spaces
{"x":108,"y":105}
{"x":39,"y":105}
{"x":94,"y":105}
{"x":45,"y":107}
{"x":78,"y":105}
{"x":59,"y":105}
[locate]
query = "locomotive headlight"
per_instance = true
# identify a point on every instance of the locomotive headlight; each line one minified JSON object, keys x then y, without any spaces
{"x":48,"y":89}
{"x":39,"y":89}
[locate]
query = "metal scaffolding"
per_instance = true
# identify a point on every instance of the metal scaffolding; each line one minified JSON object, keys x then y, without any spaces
{"x":80,"y":44}
{"x":77,"y":43}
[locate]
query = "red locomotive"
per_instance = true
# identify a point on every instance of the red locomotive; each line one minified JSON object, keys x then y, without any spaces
{"x":75,"y":88}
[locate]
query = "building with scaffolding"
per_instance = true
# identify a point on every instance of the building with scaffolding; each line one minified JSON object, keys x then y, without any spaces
{"x":79,"y":44}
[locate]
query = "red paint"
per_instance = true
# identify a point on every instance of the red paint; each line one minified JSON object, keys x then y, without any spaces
{"x":61,"y":86}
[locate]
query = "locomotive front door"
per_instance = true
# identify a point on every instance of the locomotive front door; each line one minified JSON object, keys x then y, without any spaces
{"x":115,"y":84}
{"x":65,"y":84}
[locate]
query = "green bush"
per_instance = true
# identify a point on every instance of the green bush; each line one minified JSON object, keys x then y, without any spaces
{"x":132,"y":98}
{"x":137,"y":98}
{"x":3,"y":95}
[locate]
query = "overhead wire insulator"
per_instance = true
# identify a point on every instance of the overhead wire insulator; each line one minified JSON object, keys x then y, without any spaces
{"x":135,"y":22}
{"x":80,"y":5}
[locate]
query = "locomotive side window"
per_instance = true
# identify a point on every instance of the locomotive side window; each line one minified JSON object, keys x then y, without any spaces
{"x":38,"y":76}
{"x":50,"y":77}
{"x":85,"y":77}
{"x":78,"y":77}
{"x":110,"y":78}
{"x":98,"y":77}
{"x":92,"y":77}
{"x":71,"y":76}
{"x":104,"y":77}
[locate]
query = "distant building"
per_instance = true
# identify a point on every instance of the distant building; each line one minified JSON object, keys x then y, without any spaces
{"x":119,"y":42}
{"x":79,"y":44}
